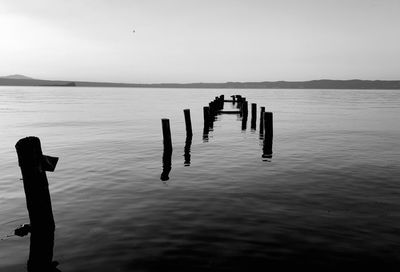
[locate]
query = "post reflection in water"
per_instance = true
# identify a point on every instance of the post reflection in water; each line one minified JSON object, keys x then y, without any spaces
{"x":186,"y":155}
{"x":206,"y":130}
{"x":41,"y":251}
{"x":253,"y":124}
{"x":167,"y":164}
{"x":244,"y":122}
{"x":267,"y":148}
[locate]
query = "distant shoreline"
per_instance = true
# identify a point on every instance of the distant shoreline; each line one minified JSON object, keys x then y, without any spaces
{"x":312,"y":84}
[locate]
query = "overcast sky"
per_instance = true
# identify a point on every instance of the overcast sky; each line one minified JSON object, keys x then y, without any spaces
{"x":200,"y":41}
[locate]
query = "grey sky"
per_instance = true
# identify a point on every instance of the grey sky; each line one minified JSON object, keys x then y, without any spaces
{"x":204,"y":40}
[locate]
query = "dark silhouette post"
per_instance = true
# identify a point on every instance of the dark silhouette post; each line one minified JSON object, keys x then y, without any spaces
{"x":244,"y":122}
{"x":239,"y":101}
{"x":166,"y":134}
{"x":206,"y":114}
{"x":206,"y":130}
{"x":167,"y":154}
{"x":221,"y":101}
{"x":262,"y":122}
{"x":188,"y":122}
{"x":33,"y":166}
{"x":268,"y":124}
{"x":253,"y":116}
{"x":245,"y":109}
{"x":268,"y":135}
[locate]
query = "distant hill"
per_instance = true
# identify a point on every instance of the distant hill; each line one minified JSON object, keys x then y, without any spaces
{"x":16,"y":76}
{"x":20,"y":80}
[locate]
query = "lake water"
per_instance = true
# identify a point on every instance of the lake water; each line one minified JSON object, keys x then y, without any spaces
{"x":330,"y":194}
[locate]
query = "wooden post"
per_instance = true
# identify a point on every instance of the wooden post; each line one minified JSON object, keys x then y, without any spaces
{"x":166,"y":134}
{"x":167,"y":154}
{"x":221,"y":99}
{"x":239,"y":101}
{"x":244,"y":122}
{"x":268,"y":135}
{"x":245,"y":109}
{"x":206,"y":114}
{"x":211,"y":106}
{"x":33,"y":166}
{"x":253,"y":115}
{"x":268,"y":124}
{"x":254,"y":110}
{"x":206,"y":130}
{"x":188,"y":122}
{"x":262,"y":121}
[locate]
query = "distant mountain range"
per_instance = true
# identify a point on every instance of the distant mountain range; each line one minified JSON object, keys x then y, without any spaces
{"x":21,"y":80}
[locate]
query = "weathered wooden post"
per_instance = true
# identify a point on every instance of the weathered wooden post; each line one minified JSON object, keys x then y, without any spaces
{"x":268,"y":124}
{"x":261,"y":131}
{"x":206,"y":114}
{"x":245,"y":109}
{"x":268,"y":135}
{"x":262,"y":121}
{"x":211,"y":106}
{"x":167,"y":154}
{"x":244,"y":122}
{"x":33,"y":166}
{"x":188,"y":122}
{"x":239,"y":101}
{"x":222,"y":101}
{"x":206,"y":130}
{"x":166,"y":134}
{"x":253,"y":116}
{"x":213,"y":111}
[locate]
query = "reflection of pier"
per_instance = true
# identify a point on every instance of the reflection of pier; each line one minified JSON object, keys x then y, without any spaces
{"x":210,"y":113}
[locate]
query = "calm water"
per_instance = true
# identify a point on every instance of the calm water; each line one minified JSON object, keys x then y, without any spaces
{"x":329,"y":195}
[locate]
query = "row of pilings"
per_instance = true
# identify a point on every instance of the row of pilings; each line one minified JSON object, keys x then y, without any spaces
{"x":210,"y":113}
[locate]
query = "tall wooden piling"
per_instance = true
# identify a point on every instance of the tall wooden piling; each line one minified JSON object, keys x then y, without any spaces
{"x":206,"y":130}
{"x":254,"y":110}
{"x":268,"y":124}
{"x":244,"y":122}
{"x":268,"y":135}
{"x":206,"y":114}
{"x":212,"y":108}
{"x":253,"y":115}
{"x":262,"y":120}
{"x":245,"y":109}
{"x":222,"y":100}
{"x":166,"y":134}
{"x":239,"y":101}
{"x":33,"y":166}
{"x":188,"y":122}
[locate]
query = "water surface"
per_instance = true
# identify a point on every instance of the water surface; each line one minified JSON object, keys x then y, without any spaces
{"x":329,"y":195}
